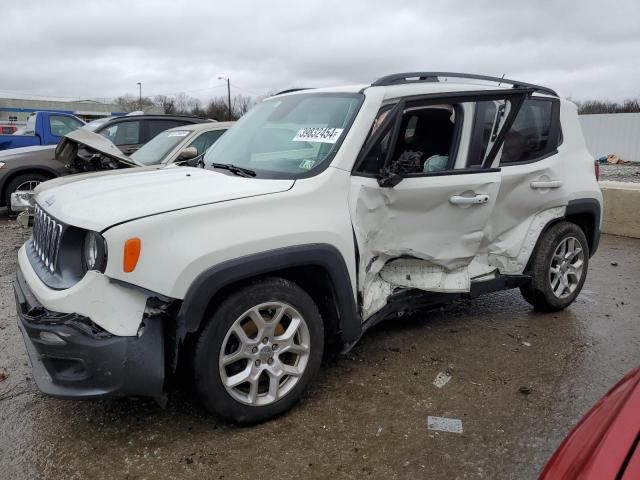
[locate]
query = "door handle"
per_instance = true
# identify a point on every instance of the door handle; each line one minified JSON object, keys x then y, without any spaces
{"x":476,"y":200}
{"x":546,"y":184}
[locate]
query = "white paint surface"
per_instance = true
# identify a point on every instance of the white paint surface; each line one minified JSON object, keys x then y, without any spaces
{"x":443,"y":424}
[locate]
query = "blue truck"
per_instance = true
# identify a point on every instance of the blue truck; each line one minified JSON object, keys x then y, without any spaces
{"x":43,"y":128}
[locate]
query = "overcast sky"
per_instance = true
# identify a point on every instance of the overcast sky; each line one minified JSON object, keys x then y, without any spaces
{"x":102,"y":48}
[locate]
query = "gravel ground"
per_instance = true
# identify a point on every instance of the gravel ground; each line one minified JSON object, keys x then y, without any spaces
{"x":620,"y":173}
{"x":366,"y":415}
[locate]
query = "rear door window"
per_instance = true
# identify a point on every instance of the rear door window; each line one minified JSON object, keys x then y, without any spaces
{"x":534,"y":133}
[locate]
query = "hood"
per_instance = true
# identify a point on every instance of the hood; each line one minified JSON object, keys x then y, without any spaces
{"x":77,"y":177}
{"x":94,"y":142}
{"x":96,"y":203}
{"x":38,"y":151}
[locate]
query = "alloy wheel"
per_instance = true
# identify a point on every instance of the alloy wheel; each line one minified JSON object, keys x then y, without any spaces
{"x":264,"y":353}
{"x":566,"y":267}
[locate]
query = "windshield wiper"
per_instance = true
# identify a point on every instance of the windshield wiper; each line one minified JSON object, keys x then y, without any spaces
{"x":240,"y":171}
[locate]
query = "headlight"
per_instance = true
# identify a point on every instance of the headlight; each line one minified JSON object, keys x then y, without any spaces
{"x":2,"y":164}
{"x":94,"y":252}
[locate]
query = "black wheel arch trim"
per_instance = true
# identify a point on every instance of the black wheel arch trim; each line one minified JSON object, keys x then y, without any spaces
{"x":215,"y":278}
{"x":592,"y":207}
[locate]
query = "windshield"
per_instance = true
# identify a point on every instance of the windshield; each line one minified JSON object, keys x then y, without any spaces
{"x":159,"y":146}
{"x":289,"y":136}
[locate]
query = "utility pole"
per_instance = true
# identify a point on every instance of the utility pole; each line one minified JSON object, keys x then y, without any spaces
{"x":140,"y":98}
{"x":228,"y":94}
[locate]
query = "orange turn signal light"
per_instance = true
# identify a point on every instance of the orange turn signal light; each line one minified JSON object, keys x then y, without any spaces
{"x":131,"y":254}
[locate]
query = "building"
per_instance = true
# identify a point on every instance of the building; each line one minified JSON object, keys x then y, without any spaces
{"x":16,"y":111}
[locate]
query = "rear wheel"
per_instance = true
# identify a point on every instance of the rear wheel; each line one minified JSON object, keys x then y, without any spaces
{"x":558,"y":268}
{"x":259,"y":351}
{"x":27,"y":181}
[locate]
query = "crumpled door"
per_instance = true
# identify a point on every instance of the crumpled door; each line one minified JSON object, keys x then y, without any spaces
{"x":423,"y":233}
{"x":422,"y":229}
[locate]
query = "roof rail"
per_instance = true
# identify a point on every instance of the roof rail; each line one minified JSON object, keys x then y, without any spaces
{"x":412,"y":77}
{"x":290,"y":91}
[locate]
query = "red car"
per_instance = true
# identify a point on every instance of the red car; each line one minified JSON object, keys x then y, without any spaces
{"x":605,"y":443}
{"x":7,"y":129}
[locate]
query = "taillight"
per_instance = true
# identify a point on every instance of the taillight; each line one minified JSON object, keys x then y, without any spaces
{"x":596,"y":169}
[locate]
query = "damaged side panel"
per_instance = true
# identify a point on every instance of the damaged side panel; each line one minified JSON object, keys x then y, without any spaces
{"x":411,"y":236}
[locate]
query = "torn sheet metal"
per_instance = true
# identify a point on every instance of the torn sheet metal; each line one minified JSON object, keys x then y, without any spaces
{"x":412,"y":236}
{"x":509,"y":252}
{"x":443,"y":424}
{"x":412,"y":273}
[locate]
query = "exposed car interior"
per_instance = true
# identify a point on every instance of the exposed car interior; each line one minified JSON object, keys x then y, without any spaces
{"x":425,"y":140}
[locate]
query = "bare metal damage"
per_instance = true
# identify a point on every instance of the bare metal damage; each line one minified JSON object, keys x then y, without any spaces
{"x":390,"y":261}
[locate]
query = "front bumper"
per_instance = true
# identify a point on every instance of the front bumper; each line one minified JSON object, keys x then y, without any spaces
{"x":72,"y":357}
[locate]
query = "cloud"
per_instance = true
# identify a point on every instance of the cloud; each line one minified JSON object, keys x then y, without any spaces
{"x":80,"y":49}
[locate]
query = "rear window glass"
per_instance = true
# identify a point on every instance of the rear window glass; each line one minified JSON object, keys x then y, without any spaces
{"x":530,"y":135}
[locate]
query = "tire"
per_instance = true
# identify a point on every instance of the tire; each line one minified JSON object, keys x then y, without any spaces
{"x":550,"y":290}
{"x":14,"y":184}
{"x":261,"y":396}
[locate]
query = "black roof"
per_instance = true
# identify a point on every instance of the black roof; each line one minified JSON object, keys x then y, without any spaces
{"x":185,"y":118}
{"x":413,"y":77}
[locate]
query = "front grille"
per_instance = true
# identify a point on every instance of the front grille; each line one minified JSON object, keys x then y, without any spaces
{"x":47,"y":234}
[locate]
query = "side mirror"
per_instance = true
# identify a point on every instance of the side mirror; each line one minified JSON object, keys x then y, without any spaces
{"x":188,"y":153}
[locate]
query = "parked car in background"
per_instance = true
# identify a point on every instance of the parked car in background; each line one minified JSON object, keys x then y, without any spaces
{"x":130,"y":132}
{"x":84,"y":151}
{"x":43,"y":128}
{"x":604,"y":445}
{"x":24,"y":168}
{"x":93,"y":125}
{"x":8,"y":129}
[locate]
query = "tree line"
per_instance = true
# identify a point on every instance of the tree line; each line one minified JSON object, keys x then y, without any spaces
{"x":631,"y":105}
{"x":216,"y":108}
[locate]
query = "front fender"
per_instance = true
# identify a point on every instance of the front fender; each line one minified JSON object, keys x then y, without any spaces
{"x":212,"y":280}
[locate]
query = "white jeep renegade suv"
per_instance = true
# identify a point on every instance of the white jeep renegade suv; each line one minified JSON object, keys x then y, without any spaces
{"x":319,"y":214}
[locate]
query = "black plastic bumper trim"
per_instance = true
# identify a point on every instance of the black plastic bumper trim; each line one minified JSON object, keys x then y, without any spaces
{"x":73,"y":358}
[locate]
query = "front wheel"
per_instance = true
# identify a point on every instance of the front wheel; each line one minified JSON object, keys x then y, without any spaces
{"x":260,"y":349}
{"x":558,"y":268}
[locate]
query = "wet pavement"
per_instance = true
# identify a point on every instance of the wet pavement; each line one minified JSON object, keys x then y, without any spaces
{"x":366,"y":415}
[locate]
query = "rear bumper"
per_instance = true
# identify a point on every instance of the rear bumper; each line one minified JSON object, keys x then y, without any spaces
{"x":72,"y":357}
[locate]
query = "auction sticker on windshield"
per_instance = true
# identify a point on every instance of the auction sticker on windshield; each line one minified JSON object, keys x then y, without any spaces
{"x":318,"y":134}
{"x":181,"y":133}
